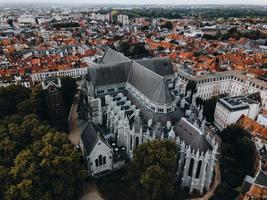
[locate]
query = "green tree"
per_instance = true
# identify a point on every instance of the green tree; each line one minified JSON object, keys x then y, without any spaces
{"x":24,"y":108}
{"x":48,"y":170}
{"x":209,"y":108}
{"x":40,"y":163}
{"x":191,"y":86}
{"x":237,"y":161}
{"x":37,"y":99}
{"x":151,"y":174}
{"x":167,"y":25}
{"x":10,"y":97}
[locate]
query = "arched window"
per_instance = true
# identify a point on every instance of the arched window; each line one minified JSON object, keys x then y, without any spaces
{"x":96,"y":162}
{"x":198,"y":168}
{"x":136,"y":141}
{"x":100,"y":159}
{"x":190,"y":172}
{"x":104,"y":160}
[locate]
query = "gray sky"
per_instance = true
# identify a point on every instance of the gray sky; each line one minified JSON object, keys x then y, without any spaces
{"x":172,"y":2}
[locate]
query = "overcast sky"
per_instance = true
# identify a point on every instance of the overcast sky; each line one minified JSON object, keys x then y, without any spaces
{"x":172,"y":2}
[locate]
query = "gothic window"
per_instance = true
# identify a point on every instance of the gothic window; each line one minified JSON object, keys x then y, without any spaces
{"x":100,"y":159}
{"x":160,"y":110}
{"x":104,"y":160}
{"x":96,"y":162}
{"x":198,"y":169}
{"x":190,"y":172}
{"x":136,"y":141}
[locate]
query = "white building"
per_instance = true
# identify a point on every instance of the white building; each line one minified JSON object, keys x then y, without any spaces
{"x":47,"y":35}
{"x":26,"y":19}
{"x":229,"y":109}
{"x":233,"y":83}
{"x":101,"y":17}
{"x":77,"y":72}
{"x":97,"y":151}
{"x":123,"y":19}
{"x":262,"y":119}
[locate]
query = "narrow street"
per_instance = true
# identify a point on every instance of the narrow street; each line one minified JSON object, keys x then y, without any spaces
{"x":89,"y":191}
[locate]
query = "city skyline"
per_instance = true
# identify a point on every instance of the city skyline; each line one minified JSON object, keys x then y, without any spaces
{"x":142,"y":2}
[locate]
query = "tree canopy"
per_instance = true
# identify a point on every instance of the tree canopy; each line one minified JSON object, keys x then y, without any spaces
{"x":137,"y":50}
{"x":168,"y":25}
{"x":209,"y":108}
{"x":237,"y":161}
{"x":36,"y":161}
{"x":151,"y":174}
{"x":24,"y":101}
{"x":40,"y":163}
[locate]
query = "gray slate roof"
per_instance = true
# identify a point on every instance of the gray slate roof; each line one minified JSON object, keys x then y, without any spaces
{"x":161,"y":66}
{"x":90,"y":135}
{"x":112,"y":56}
{"x":156,"y":117}
{"x":261,"y":179}
{"x":149,"y":83}
{"x":189,"y":134}
{"x":108,"y":73}
{"x":148,"y":79}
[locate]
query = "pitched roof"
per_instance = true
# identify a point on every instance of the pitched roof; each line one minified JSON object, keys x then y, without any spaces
{"x":105,"y":74}
{"x":149,"y":83}
{"x":161,"y":66}
{"x":256,"y":129}
{"x":261,"y":179}
{"x":112,"y":56}
{"x":191,"y":136}
{"x":145,"y":79}
{"x":90,"y":135}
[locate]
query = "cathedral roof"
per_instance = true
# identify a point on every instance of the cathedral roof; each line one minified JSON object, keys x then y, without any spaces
{"x":149,"y":83}
{"x":112,"y":56}
{"x":147,"y":76}
{"x":156,"y":117}
{"x":161,"y":66}
{"x":106,"y":74}
{"x":191,"y":136}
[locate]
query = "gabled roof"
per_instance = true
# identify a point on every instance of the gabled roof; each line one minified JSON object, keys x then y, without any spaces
{"x":149,"y":83}
{"x":108,"y":73}
{"x":261,"y":179}
{"x":191,"y":136}
{"x":90,"y":135}
{"x":112,"y":56}
{"x":161,"y":66}
{"x":148,"y":79}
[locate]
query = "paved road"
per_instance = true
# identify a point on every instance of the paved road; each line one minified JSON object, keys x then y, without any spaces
{"x":75,"y":133}
{"x":89,"y":191}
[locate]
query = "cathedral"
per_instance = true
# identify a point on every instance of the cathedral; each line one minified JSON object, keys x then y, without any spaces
{"x":124,"y":103}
